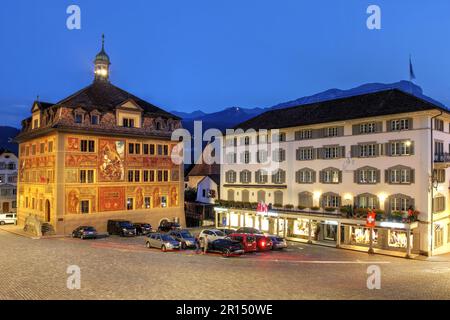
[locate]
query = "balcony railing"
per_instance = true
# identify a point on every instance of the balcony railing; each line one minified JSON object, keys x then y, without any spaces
{"x":442,"y":157}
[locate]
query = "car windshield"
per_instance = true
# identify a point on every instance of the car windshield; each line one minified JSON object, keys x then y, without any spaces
{"x":250,"y":239}
{"x":219,"y":233}
{"x":166,"y":237}
{"x":186,"y":234}
{"x":89,"y":229}
{"x":126,"y":225}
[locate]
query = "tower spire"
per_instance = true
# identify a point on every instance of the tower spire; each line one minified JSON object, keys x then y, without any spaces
{"x":101,"y":64}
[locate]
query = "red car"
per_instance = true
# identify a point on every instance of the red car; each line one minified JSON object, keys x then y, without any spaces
{"x":248,"y":241}
{"x":263,"y":243}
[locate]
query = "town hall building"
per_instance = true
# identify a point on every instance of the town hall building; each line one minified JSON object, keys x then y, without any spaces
{"x":99,"y":154}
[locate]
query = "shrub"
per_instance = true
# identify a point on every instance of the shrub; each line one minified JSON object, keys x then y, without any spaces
{"x":301,"y":208}
{"x":289,"y":206}
{"x":315,"y":208}
{"x":345,"y":209}
{"x":330,"y":209}
{"x":278,"y":205}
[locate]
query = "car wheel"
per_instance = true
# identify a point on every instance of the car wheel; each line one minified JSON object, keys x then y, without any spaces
{"x":82,"y":237}
{"x":226,"y":253}
{"x":2,"y":223}
{"x":73,"y":235}
{"x":147,"y":244}
{"x":183,"y":246}
{"x":163,"y":248}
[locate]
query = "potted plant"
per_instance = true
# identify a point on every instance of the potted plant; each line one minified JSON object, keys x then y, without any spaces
{"x":379,"y":214}
{"x":289,"y":206}
{"x":301,"y":207}
{"x":330,"y":209}
{"x":315,"y":208}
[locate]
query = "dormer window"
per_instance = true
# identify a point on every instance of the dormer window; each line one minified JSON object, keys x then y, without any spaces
{"x":94,"y":120}
{"x":128,"y":123}
{"x":78,"y":118}
{"x":158,"y":126}
{"x":35,"y":123}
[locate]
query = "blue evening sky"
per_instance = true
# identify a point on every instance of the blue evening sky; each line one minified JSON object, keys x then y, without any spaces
{"x":211,"y":54}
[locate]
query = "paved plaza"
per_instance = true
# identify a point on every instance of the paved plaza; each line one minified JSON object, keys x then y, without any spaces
{"x":122,"y":268}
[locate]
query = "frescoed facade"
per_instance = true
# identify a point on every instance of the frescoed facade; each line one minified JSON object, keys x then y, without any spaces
{"x":99,"y":154}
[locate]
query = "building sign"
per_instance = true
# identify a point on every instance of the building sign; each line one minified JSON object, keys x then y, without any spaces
{"x":111,"y":198}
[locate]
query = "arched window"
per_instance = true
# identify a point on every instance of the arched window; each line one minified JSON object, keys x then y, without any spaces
{"x":279,"y":176}
{"x":305,"y":199}
{"x":399,"y":203}
{"x":330,"y":200}
{"x":367,"y":201}
{"x":278,"y":198}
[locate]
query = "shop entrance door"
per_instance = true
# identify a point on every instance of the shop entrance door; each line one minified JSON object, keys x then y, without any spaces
{"x":5,"y":207}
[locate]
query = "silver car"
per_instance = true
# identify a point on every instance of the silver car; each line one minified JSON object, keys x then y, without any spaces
{"x":162,"y":241}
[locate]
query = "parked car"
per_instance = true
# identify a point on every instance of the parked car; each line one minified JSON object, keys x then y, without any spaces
{"x":226,"y":246}
{"x":263,"y":243}
{"x":122,"y":228}
{"x":8,"y":218}
{"x":142,"y":229}
{"x":167,"y":226}
{"x":227,"y":231}
{"x":211,"y":235}
{"x":162,"y":241}
{"x":248,"y":241}
{"x":249,"y":230}
{"x":278,"y":242}
{"x":85,"y":232}
{"x":186,"y":239}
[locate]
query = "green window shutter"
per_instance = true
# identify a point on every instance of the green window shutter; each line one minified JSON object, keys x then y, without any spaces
{"x":388,"y":126}
{"x":355,"y":151}
{"x":340,"y":176}
{"x":356,"y":129}
{"x":387,"y":149}
{"x":411,"y":148}
{"x":412,"y":177}
{"x":355,"y":176}
{"x":342,"y":152}
{"x":378,"y":126}
{"x":387,"y":176}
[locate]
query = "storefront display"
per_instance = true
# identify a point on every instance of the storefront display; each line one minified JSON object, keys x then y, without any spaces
{"x":397,"y":239}
{"x":301,"y":228}
{"x":362,"y":236}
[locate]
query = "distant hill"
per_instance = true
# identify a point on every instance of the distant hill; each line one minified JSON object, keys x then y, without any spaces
{"x":6,"y":136}
{"x":230,"y":117}
{"x":331,"y":94}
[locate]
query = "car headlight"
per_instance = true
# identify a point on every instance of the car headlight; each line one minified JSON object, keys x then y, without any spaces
{"x":124,"y":230}
{"x":168,"y":244}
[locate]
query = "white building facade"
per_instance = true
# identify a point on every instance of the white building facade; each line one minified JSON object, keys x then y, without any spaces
{"x":326,"y":164}
{"x":8,"y":182}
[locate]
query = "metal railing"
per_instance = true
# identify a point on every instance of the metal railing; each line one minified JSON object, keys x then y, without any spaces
{"x":442,"y":157}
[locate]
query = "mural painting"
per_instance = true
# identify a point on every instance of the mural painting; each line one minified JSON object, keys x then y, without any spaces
{"x":139,"y":198}
{"x":73,"y":144}
{"x":81,"y":160}
{"x":111,"y":158}
{"x":73,"y":202}
{"x":174,"y":197}
{"x":111,"y":198}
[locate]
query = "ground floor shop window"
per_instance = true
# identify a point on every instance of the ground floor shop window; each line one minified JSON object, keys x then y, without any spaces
{"x":330,"y":232}
{"x":362,"y":235}
{"x":397,"y":239}
{"x":163,"y":201}
{"x":301,"y":229}
{"x":234,"y":219}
